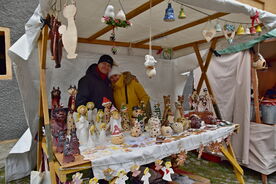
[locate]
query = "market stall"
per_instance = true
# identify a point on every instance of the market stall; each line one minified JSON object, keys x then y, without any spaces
{"x":174,"y":142}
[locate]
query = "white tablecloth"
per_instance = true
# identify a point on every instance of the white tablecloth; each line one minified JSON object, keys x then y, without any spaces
{"x":118,"y":157}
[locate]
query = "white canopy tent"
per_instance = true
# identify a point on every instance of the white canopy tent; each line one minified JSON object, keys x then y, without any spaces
{"x":168,"y":80}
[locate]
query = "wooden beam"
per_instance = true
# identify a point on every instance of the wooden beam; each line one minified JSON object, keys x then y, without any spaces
{"x":120,"y":44}
{"x":130,"y":15}
{"x":183,"y":27}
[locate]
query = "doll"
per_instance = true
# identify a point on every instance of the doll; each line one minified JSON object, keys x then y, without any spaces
{"x":146,"y":176}
{"x":91,"y":112}
{"x":102,"y":136}
{"x":92,"y":136}
{"x":58,"y":123}
{"x":158,"y":164}
{"x":135,"y":170}
{"x":117,"y":136}
{"x":167,"y":171}
{"x":67,"y":152}
{"x":55,"y":95}
{"x":74,"y":143}
{"x":82,"y":126}
{"x":99,"y":120}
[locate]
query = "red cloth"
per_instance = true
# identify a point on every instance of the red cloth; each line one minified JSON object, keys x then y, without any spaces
{"x":102,"y":75}
{"x":167,"y":171}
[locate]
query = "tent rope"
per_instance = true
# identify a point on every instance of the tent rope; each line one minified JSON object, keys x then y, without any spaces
{"x":150,"y":33}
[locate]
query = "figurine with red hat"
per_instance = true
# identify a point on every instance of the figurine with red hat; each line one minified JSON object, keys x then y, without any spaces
{"x":107,"y":105}
{"x":117,"y":137}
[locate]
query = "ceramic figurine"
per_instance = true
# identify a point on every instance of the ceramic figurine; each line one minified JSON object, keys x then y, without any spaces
{"x":137,"y":114}
{"x":92,"y":136}
{"x":76,"y":178}
{"x":135,"y":170}
{"x":167,"y":109}
{"x":70,"y":123}
{"x":178,"y":113}
{"x":166,"y":131}
{"x":154,"y":127}
{"x":158,"y":165}
{"x":167,"y":171}
{"x":136,"y":129}
{"x":143,"y":107}
{"x":67,"y":152}
{"x":194,"y":100}
{"x":108,"y":173}
{"x":102,"y":136}
{"x":72,"y":99}
{"x":109,"y":11}
{"x":107,"y":105}
{"x":99,"y":120}
{"x":121,"y":177}
{"x":229,"y":29}
{"x":181,"y":158}
{"x":204,"y":101}
{"x":55,"y":95}
{"x":146,"y":176}
{"x":69,"y":32}
{"x":195,"y":121}
{"x":61,"y":141}
{"x":150,"y":66}
{"x":94,"y":181}
{"x":82,"y":126}
{"x":185,"y":123}
{"x":117,"y":137}
{"x":74,"y":143}
{"x":157,"y":111}
{"x":91,"y":112}
{"x":125,"y":118}
{"x":58,"y":123}
{"x":177,"y":127}
{"x":179,"y":107}
{"x":121,"y":15}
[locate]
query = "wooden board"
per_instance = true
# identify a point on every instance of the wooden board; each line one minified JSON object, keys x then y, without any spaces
{"x":78,"y":161}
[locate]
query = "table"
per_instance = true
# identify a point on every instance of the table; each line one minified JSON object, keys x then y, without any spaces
{"x":172,"y":147}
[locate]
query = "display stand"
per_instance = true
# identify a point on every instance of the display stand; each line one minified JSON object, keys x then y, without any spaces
{"x":45,"y":143}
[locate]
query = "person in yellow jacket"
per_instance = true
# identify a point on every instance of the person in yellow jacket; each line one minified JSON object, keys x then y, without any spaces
{"x":127,"y":90}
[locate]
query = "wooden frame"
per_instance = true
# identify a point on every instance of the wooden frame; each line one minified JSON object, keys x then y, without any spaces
{"x":6,"y":32}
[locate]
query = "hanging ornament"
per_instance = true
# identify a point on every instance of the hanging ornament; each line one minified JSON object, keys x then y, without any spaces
{"x":259,"y":62}
{"x":253,"y":19}
{"x":167,"y":53}
{"x":135,"y":170}
{"x":169,"y":14}
{"x":150,"y":62}
{"x":94,"y":181}
{"x":167,"y":171}
{"x":218,"y":27}
{"x":229,"y":29}
{"x":247,"y":31}
{"x":181,"y":13}
{"x":208,"y":31}
{"x":121,"y":15}
{"x":240,"y":30}
{"x":114,"y":50}
{"x":146,"y":176}
{"x":109,"y":11}
{"x":258,"y":29}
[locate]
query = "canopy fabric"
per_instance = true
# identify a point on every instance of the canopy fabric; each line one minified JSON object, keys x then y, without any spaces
{"x":247,"y":45}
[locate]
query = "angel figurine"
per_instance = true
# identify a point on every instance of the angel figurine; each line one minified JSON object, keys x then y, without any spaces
{"x":92,"y":136}
{"x":117,"y":137}
{"x":94,"y":181}
{"x":167,"y":171}
{"x":82,"y":126}
{"x":135,"y":170}
{"x":146,"y":176}
{"x":107,"y":106}
{"x":99,"y":120}
{"x":102,"y":136}
{"x":91,"y":112}
{"x":121,"y":177}
{"x":158,"y":164}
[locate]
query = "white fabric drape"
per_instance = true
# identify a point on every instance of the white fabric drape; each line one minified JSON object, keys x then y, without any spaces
{"x":229,"y":76}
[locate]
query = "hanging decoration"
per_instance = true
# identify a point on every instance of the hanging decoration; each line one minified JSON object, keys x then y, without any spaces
{"x":69,"y":33}
{"x":208,"y":31}
{"x":218,"y":27}
{"x":258,"y":29}
{"x":259,"y":62}
{"x":118,"y":21}
{"x":167,"y":171}
{"x":240,"y":30}
{"x":167,"y":53}
{"x":181,"y":13}
{"x":253,"y":19}
{"x":229,"y":29}
{"x":169,"y":13}
{"x":247,"y":31}
{"x":150,"y":62}
{"x":146,"y":176}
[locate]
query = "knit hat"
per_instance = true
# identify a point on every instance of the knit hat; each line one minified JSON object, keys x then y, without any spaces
{"x":115,"y":70}
{"x":106,"y":58}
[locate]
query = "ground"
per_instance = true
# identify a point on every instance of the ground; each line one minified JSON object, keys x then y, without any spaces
{"x":218,"y":173}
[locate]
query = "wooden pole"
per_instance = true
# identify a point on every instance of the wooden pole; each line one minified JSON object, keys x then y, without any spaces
{"x":42,"y":45}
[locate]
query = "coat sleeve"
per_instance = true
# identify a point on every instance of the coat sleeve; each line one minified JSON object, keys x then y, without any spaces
{"x":140,"y":92}
{"x":83,"y":93}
